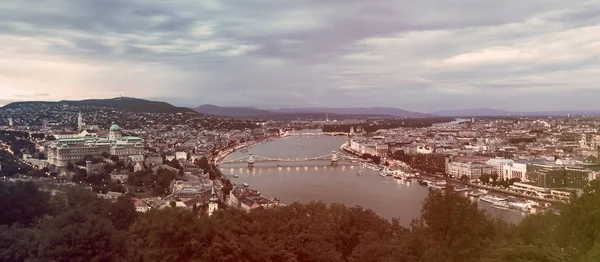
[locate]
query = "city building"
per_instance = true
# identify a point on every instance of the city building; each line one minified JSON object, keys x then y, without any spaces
{"x":472,"y":170}
{"x":62,"y":151}
{"x":213,"y":205}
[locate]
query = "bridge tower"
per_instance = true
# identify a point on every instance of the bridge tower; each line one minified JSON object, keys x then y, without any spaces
{"x":334,"y":158}
{"x":250,"y":160}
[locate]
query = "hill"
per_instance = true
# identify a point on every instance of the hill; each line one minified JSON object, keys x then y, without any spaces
{"x":388,"y":111}
{"x":232,"y":111}
{"x":125,"y":103}
{"x":500,"y":112}
{"x":472,"y":112}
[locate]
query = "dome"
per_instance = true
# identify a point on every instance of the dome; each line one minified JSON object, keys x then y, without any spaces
{"x":114,"y":127}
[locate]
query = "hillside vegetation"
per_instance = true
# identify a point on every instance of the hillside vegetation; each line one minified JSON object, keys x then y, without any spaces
{"x":77,"y":226}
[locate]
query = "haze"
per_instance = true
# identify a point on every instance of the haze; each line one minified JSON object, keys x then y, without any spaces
{"x":417,"y":55}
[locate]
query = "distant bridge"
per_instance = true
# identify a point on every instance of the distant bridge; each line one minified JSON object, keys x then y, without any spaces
{"x":251,"y":159}
{"x":315,"y":134}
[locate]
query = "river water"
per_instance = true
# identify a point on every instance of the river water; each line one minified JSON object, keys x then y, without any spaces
{"x":318,"y":181}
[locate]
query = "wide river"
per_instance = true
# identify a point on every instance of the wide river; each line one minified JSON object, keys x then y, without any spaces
{"x":318,"y":181}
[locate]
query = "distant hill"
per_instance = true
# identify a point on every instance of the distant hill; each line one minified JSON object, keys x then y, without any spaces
{"x":388,"y":111}
{"x":499,"y":112}
{"x":232,"y":111}
{"x":125,"y":103}
{"x":472,"y":112}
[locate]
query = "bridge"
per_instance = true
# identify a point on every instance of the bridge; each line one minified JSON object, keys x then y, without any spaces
{"x":314,"y":134}
{"x":251,"y":159}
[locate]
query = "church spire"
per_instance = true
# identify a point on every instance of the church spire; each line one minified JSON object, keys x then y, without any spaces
{"x":213,"y":205}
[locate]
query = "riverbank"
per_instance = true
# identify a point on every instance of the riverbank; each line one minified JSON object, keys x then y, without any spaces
{"x":346,"y":150}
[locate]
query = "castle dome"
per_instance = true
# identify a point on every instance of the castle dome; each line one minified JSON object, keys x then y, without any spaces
{"x":114,"y":127}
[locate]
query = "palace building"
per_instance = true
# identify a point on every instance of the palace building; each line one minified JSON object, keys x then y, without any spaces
{"x":63,"y":151}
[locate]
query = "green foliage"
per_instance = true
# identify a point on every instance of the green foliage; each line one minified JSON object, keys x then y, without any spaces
{"x":22,"y":203}
{"x":78,"y":226}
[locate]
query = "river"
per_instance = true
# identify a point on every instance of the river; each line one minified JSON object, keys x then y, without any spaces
{"x":317,"y":180}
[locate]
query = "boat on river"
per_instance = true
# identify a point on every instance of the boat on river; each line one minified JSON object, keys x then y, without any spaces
{"x":236,"y":176}
{"x":438,"y":185}
{"x":246,"y":185}
{"x":359,"y":173}
{"x":383,"y":174}
{"x":491,"y":199}
{"x":521,"y":206}
{"x":460,"y":189}
{"x":475,"y":193}
{"x":500,"y":205}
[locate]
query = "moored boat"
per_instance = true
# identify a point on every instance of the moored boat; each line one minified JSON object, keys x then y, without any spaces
{"x":475,"y":193}
{"x":500,"y":205}
{"x":246,"y":184}
{"x":236,"y":176}
{"x":383,"y":174}
{"x":460,"y":189}
{"x":492,"y":199}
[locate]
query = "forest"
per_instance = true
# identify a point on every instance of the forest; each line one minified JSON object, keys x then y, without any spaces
{"x":75,"y":225}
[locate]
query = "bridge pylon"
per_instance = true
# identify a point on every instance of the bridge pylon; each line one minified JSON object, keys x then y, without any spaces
{"x":250,"y":160}
{"x":334,"y":158}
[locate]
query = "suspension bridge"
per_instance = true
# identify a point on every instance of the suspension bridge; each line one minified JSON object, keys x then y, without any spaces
{"x":314,"y":134}
{"x":251,"y":159}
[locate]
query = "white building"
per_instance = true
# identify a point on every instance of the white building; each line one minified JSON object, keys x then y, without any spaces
{"x":470,"y":169}
{"x":498,"y":162}
{"x":514,"y":170}
{"x":140,"y":205}
{"x":213,"y":205}
{"x":425,"y":149}
{"x":180,"y":155}
{"x":65,"y":150}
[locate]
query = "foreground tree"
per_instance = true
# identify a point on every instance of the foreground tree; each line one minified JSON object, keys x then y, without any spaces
{"x":21,"y":202}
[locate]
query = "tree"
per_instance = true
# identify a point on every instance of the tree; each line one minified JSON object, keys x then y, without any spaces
{"x":105,"y":155}
{"x":203,"y":163}
{"x":22,"y":203}
{"x":453,"y":228}
{"x":114,"y":158}
{"x":376,"y":159}
{"x":485,"y":178}
{"x":464,"y":178}
{"x":78,"y":235}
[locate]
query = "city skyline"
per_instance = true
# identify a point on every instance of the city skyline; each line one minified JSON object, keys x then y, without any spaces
{"x":425,"y":56}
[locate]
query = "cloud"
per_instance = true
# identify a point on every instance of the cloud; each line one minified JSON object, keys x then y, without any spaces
{"x":419,"y":55}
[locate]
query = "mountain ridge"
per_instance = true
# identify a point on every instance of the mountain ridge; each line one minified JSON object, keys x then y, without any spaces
{"x":125,"y":103}
{"x":253,"y":111}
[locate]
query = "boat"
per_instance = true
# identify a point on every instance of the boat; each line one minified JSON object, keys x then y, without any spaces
{"x":521,"y":206}
{"x":383,"y":174}
{"x":236,"y":176}
{"x":491,"y":198}
{"x":500,"y":205}
{"x":475,"y":193}
{"x":246,"y":184}
{"x":397,"y":176}
{"x":359,"y":173}
{"x":460,"y":189}
{"x":437,"y":185}
{"x":354,"y":161}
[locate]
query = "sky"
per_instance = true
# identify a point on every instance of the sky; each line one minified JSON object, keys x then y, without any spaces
{"x":422,"y":55}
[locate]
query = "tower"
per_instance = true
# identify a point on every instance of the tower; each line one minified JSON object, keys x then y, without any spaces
{"x":334,"y":158}
{"x":80,"y":123}
{"x":10,"y":122}
{"x":212,"y":204}
{"x":250,"y":161}
{"x":115,"y":132}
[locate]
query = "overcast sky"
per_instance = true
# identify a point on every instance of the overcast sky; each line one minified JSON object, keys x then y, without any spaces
{"x":421,"y":55}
